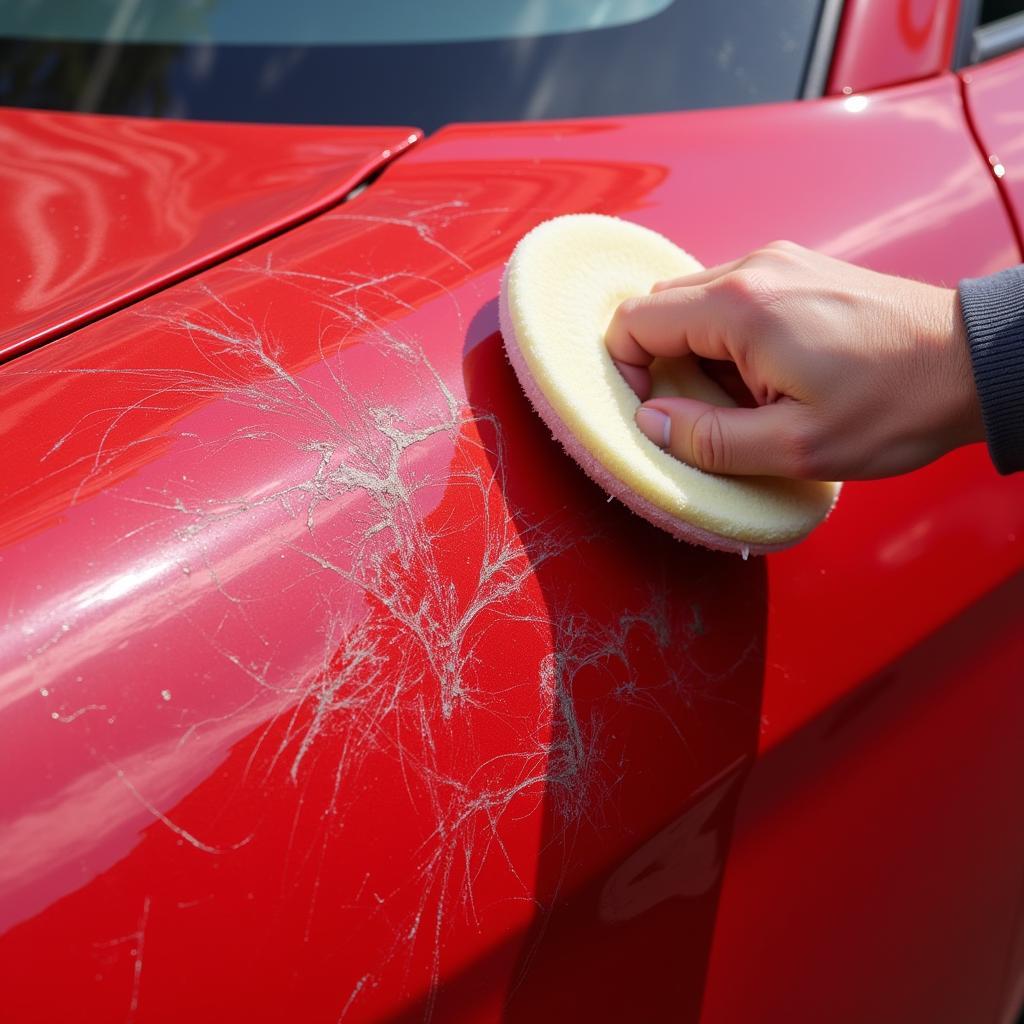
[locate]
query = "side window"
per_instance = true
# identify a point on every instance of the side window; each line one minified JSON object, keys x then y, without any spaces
{"x":996,"y":10}
{"x":989,"y":28}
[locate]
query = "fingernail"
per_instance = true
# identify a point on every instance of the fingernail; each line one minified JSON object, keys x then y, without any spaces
{"x":654,"y":425}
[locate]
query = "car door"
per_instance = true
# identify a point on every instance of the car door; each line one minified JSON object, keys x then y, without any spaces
{"x":868,"y":879}
{"x":992,"y":57}
{"x":993,"y":85}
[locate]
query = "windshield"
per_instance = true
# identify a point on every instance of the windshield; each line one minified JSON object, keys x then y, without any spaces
{"x":400,"y":61}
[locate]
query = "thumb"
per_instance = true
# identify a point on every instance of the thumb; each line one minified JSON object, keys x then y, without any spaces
{"x":716,"y":439}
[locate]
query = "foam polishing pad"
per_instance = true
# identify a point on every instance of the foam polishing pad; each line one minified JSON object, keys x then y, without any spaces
{"x":558,"y":293}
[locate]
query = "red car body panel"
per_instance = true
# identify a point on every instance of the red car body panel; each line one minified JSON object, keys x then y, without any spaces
{"x":98,"y":211}
{"x":885,"y":42}
{"x":867,"y":839}
{"x":993,"y":92}
{"x":333,"y":690}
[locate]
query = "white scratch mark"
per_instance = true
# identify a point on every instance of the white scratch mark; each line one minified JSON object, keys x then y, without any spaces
{"x":177,"y":829}
{"x":66,"y":719}
{"x":137,"y":952}
{"x":352,"y":998}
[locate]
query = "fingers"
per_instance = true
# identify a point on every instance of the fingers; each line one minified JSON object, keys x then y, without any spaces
{"x":754,"y":442}
{"x":637,"y":377}
{"x":675,"y":322}
{"x":705,"y":276}
{"x":772,"y":252}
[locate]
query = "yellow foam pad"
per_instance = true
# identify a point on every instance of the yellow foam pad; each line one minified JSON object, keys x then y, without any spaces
{"x":559,"y":291}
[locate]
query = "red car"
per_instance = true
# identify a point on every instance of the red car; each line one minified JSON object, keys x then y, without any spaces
{"x":330,"y":689}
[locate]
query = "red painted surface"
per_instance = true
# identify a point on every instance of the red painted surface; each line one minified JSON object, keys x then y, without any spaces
{"x":97,"y":211}
{"x":885,"y":42}
{"x":333,"y":690}
{"x":993,"y":94}
{"x":871,"y":858}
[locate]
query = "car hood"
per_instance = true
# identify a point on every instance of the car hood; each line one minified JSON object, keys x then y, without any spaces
{"x":97,"y":211}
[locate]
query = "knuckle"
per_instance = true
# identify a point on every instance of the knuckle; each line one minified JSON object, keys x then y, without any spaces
{"x":628,"y":308}
{"x":777,"y":255}
{"x":749,"y":291}
{"x":736,"y":285}
{"x":625,"y":316}
{"x":619,"y":323}
{"x":708,"y":442}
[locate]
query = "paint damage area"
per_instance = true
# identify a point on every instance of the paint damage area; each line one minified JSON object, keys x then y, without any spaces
{"x":355,"y":677}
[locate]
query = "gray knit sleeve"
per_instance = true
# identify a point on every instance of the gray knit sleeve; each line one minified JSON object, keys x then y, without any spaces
{"x":993,"y":311}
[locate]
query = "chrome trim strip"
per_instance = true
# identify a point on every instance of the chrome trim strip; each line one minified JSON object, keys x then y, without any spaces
{"x":820,"y":62}
{"x":998,"y":38}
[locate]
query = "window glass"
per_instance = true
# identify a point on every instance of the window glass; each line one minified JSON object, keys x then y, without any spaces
{"x":993,"y":10}
{"x":306,"y":22}
{"x":419,"y":62}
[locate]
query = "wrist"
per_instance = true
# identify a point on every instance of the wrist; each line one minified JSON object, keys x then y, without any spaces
{"x":956,"y":410}
{"x":969,"y":426}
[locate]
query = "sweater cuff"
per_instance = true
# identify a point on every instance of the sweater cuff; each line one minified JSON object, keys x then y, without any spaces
{"x":993,"y":312}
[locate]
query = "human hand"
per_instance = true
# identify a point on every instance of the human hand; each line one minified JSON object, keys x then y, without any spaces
{"x":855,"y":374}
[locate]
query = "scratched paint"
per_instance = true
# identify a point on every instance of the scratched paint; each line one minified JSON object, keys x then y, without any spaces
{"x":341,"y":649}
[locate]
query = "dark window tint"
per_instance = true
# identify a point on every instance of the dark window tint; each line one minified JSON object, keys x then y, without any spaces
{"x":651,"y":56}
{"x":993,"y":10}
